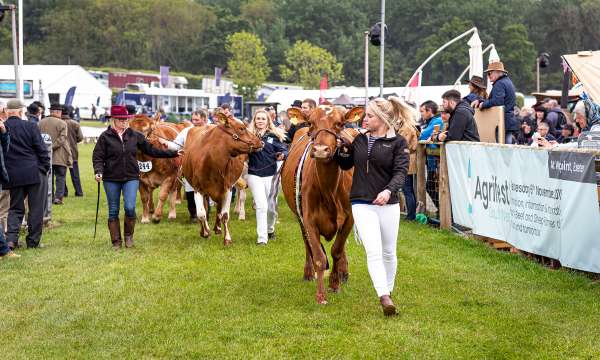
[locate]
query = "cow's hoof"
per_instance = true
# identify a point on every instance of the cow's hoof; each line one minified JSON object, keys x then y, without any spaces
{"x":344,"y":277}
{"x":145,"y":221}
{"x":309,"y":277}
{"x":205,"y":234}
{"x":155,"y":220}
{"x":321,"y":300}
{"x":227,"y":242}
{"x":218,"y":231}
{"x":172,"y":217}
{"x":334,"y":290}
{"x":242,"y":218}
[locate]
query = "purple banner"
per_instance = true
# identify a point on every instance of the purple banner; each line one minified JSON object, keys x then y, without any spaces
{"x":164,"y":76}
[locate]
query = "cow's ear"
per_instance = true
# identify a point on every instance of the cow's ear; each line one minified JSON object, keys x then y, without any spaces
{"x":222,"y":118}
{"x":296,"y":115}
{"x":355,"y":115}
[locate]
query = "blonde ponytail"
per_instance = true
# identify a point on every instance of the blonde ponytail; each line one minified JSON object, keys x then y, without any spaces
{"x":403,"y":113}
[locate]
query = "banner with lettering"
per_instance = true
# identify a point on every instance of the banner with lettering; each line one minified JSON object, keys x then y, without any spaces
{"x":543,"y":202}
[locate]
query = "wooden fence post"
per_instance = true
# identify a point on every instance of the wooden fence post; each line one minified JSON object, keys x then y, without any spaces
{"x":421,"y":174}
{"x":445,"y":209}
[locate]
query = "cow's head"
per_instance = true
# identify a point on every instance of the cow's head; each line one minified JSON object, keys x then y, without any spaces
{"x":238,"y":140}
{"x":143,"y":124}
{"x":326,"y":122}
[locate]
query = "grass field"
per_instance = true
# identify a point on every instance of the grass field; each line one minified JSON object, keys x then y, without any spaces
{"x":178,"y":296}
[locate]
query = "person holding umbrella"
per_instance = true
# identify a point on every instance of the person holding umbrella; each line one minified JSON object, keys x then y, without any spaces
{"x":115,"y":164}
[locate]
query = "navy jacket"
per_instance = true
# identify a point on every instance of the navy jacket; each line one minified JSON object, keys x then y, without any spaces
{"x":28,"y":155}
{"x":503,"y":94}
{"x":264,"y":163}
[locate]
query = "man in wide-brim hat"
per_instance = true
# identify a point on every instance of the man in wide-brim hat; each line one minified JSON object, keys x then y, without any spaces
{"x":503,"y":94}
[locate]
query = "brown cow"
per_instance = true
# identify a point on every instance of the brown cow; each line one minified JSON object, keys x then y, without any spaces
{"x":213,"y":162}
{"x":324,"y":192}
{"x":164,"y":173}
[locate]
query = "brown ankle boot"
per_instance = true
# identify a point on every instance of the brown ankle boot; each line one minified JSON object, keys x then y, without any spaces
{"x":129,"y":227}
{"x":114,"y":227}
{"x":389,"y":309}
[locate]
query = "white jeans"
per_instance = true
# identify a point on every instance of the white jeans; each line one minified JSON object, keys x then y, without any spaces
{"x":265,"y":219}
{"x":377,"y":227}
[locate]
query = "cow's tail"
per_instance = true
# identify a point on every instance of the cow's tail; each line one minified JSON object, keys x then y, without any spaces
{"x":326,"y":257}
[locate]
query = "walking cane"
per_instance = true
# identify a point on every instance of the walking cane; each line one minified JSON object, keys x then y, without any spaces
{"x":97,"y":208}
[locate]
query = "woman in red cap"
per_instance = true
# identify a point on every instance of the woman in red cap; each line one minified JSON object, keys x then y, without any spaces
{"x":115,"y":164}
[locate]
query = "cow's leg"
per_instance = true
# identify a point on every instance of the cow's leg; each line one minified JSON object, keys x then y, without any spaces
{"x":222,"y":206}
{"x":177,"y":194}
{"x":163,"y":193}
{"x":145,"y":196}
{"x":175,"y":191}
{"x":319,"y":261}
{"x":339,"y":272}
{"x":201,"y":213}
{"x":223,"y":215}
{"x":309,"y":270}
{"x":241,"y":204}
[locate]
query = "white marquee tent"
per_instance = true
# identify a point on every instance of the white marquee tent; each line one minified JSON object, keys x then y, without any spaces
{"x":58,"y":79}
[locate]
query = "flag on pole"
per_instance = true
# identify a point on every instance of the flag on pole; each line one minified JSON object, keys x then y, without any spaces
{"x":70,"y":95}
{"x":323,"y":86}
{"x":218,"y":73}
{"x":416,"y":81}
{"x":164,"y":76}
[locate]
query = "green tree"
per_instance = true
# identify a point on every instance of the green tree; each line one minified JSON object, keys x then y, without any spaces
{"x":306,"y":64}
{"x":247,"y":66}
{"x":518,"y":55}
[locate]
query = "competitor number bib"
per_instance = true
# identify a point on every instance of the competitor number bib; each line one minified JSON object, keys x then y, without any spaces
{"x":145,"y":166}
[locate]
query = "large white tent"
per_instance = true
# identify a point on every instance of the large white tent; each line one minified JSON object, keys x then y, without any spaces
{"x":57,"y":80}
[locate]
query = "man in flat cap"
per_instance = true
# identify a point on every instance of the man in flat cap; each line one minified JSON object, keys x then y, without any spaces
{"x":27,"y":164}
{"x":57,"y":129}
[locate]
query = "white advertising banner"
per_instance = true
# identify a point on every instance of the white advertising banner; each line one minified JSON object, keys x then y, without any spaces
{"x":539,"y":201}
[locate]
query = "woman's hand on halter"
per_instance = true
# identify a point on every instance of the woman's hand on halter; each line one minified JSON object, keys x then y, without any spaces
{"x":382,"y":198}
{"x":98,"y":177}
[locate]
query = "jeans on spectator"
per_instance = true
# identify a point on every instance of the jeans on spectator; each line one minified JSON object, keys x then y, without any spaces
{"x":75,"y":179}
{"x":409,"y":197}
{"x":113,"y":191}
{"x":510,"y":138}
{"x":36,"y":196}
{"x":60,"y":176}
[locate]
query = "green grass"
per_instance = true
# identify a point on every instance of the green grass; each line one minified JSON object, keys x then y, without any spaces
{"x":179,"y":296}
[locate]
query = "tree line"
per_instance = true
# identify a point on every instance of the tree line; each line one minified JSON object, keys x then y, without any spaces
{"x":196,"y":36}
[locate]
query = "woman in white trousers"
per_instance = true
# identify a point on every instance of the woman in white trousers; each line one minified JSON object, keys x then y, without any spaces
{"x":380,"y":159}
{"x":262,"y":166}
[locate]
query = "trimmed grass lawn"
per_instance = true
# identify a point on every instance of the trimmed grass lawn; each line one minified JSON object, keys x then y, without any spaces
{"x":93,"y":123}
{"x":179,"y":296}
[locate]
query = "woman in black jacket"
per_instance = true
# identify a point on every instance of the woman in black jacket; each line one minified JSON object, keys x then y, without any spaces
{"x":115,"y":164}
{"x":262,"y":166}
{"x":380,"y":159}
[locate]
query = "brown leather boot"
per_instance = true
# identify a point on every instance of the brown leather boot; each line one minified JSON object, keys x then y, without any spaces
{"x":129,"y":227}
{"x":114,"y":227}
{"x":389,"y":309}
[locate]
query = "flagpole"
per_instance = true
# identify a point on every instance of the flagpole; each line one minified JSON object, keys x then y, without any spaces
{"x":366,"y":68}
{"x":381,"y":49}
{"x":20,"y":85}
